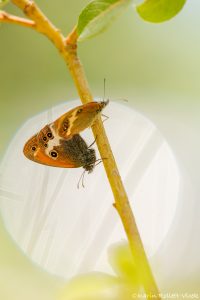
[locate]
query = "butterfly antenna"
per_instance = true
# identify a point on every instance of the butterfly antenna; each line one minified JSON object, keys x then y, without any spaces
{"x":104,"y":89}
{"x":121,"y":99}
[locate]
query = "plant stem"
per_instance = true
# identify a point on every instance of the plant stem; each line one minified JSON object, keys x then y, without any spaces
{"x":68,"y":49}
{"x":7,"y":18}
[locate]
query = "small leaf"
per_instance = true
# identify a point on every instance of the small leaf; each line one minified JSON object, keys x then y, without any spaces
{"x":98,"y":286}
{"x":157,"y":11}
{"x":122,"y":262}
{"x":3,"y":2}
{"x":98,"y":15}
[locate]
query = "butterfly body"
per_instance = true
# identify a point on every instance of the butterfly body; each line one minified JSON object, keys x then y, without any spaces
{"x":59,"y":144}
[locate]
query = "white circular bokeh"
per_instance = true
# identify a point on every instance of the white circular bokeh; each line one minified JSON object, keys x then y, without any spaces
{"x":68,"y":230}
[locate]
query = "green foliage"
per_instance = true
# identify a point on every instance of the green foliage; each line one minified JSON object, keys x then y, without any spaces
{"x":98,"y":15}
{"x":157,"y":11}
{"x":3,"y":2}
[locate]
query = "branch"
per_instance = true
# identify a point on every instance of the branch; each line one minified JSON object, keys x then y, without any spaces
{"x":72,"y":37}
{"x":68,"y":49}
{"x":43,"y":25}
{"x":7,"y":18}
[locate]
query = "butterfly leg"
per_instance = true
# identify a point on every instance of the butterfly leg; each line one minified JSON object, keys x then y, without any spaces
{"x":106,"y":118}
{"x":93,"y":142}
{"x":100,"y":160}
{"x":81,"y":179}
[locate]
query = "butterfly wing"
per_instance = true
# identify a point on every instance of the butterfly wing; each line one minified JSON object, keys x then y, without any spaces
{"x":56,"y":156}
{"x":56,"y":152}
{"x":78,"y":119}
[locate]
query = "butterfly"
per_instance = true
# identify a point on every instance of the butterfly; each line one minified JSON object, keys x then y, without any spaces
{"x":59,"y":143}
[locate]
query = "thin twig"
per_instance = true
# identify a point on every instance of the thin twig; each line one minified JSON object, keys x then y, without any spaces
{"x":68,"y":49}
{"x":72,"y":37}
{"x":8,"y":18}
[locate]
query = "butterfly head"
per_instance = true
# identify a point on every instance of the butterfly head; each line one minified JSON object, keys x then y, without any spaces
{"x":103,"y":104}
{"x":94,"y":108}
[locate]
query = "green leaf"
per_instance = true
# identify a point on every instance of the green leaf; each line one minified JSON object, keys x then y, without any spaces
{"x":98,"y":15}
{"x":3,"y":2}
{"x":157,"y":11}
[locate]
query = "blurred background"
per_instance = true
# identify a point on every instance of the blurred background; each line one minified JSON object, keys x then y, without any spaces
{"x":157,"y":69}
